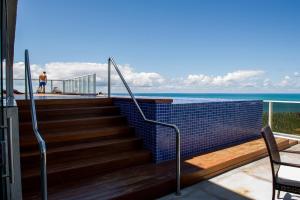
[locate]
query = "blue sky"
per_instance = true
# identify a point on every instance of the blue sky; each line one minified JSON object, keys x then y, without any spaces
{"x":198,"y":42}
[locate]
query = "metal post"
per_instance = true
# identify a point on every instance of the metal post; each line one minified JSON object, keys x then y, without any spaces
{"x":94,"y":83}
{"x":108,"y":78}
{"x":64,"y":89}
{"x":270,"y":113}
{"x":73,"y":86}
{"x":178,"y":160}
{"x":81,"y":84}
{"x":77,"y":85}
{"x":88,"y":84}
{"x":51,"y":86}
{"x":26,"y":84}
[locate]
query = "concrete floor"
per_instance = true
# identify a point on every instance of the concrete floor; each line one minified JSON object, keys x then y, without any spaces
{"x":252,"y":181}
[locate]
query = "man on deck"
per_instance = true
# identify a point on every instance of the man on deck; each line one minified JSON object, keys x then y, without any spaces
{"x":42,"y":81}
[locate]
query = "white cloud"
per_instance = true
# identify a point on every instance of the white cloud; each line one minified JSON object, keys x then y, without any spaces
{"x":267,"y":82}
{"x":236,"y":81}
{"x":289,"y":82}
{"x":19,"y":70}
{"x":65,"y":70}
{"x":232,"y":78}
{"x":296,"y":74}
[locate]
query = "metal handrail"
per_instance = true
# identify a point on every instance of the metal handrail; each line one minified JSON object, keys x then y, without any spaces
{"x":41,"y":142}
{"x":277,"y":101}
{"x":111,"y":61}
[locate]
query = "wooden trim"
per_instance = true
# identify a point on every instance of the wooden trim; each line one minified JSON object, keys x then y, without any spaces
{"x":145,"y":100}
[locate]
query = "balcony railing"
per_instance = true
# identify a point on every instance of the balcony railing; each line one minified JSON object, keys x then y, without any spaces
{"x":283,"y":117}
{"x":80,"y":85}
{"x":85,"y":84}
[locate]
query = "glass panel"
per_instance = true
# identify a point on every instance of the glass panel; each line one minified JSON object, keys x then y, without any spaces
{"x":286,"y":118}
{"x":265,"y":113}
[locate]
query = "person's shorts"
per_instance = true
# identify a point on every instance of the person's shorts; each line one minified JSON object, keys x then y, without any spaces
{"x":42,"y":84}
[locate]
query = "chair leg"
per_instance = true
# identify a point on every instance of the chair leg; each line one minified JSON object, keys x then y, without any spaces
{"x":273,"y":194}
{"x":278,"y":194}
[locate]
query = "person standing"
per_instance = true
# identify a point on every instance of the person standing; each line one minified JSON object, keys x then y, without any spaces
{"x":43,"y":82}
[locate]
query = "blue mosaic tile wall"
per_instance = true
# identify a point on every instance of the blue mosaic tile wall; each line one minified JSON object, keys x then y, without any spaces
{"x":204,"y":126}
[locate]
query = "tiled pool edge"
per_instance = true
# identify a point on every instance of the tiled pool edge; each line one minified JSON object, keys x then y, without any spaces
{"x":204,"y":126}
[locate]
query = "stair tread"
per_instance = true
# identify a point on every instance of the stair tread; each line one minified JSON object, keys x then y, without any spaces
{"x":82,"y":102}
{"x":74,"y":120}
{"x":76,"y":163}
{"x":81,"y":146}
{"x":28,"y":139}
{"x":75,"y":108}
{"x":115,"y":184}
{"x":149,"y":181}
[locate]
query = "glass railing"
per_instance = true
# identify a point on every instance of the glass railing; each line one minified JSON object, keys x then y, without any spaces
{"x":282,"y":116}
{"x":19,"y":84}
{"x":85,"y":84}
{"x":80,"y":85}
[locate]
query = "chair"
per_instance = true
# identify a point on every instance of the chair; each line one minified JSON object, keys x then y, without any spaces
{"x":286,"y":176}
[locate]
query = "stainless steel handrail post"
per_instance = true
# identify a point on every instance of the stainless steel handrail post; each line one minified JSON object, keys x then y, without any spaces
{"x":270,"y":114}
{"x":178,"y":159}
{"x":26,"y":85}
{"x":108,"y":78}
{"x":41,"y":142}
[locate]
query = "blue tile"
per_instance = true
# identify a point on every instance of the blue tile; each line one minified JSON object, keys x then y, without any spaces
{"x":204,"y":126}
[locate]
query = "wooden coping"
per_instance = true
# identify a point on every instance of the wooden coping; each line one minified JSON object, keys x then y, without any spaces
{"x":89,"y":100}
{"x":218,"y":162}
{"x":146,"y":100}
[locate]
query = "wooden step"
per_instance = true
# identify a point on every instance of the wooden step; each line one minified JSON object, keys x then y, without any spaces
{"x":73,"y":124}
{"x":85,"y":138}
{"x":63,"y":138}
{"x":74,"y":169}
{"x":82,"y":150}
{"x":150,"y":181}
{"x":65,"y":103}
{"x":69,"y":113}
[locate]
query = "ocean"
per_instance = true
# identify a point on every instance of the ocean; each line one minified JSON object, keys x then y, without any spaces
{"x":277,"y":107}
{"x":260,"y":96}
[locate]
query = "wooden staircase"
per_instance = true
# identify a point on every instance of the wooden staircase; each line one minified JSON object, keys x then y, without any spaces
{"x":93,"y":154}
{"x":86,"y":138}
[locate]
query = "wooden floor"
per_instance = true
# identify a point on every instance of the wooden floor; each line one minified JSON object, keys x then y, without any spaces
{"x":149,"y":181}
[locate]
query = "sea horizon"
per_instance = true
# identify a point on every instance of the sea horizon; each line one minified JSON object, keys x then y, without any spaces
{"x":223,"y":95}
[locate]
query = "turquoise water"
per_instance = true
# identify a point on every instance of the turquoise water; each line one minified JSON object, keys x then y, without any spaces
{"x":277,"y":107}
{"x":280,"y":97}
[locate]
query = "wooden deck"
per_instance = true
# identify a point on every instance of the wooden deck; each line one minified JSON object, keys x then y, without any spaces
{"x":149,"y":181}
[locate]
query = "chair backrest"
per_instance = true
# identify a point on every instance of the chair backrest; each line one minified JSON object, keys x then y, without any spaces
{"x":272,"y":148}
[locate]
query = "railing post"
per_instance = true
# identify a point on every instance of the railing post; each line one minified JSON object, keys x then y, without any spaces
{"x":51,"y":85}
{"x":178,"y":163}
{"x":26,"y":84}
{"x":94,"y":83}
{"x":81,"y":84}
{"x":270,"y":114}
{"x":89,"y":84}
{"x":64,"y":89}
{"x":108,"y":78}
